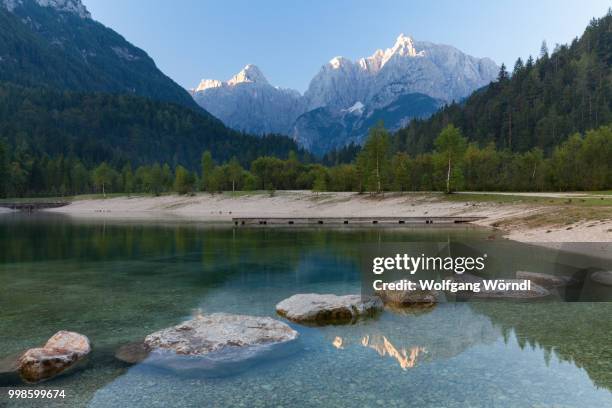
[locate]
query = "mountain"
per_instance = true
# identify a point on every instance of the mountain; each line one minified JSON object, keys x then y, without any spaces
{"x":324,"y":129}
{"x":398,"y":80}
{"x":440,"y":71}
{"x":540,"y":104}
{"x":247,"y":102}
{"x":56,"y":43}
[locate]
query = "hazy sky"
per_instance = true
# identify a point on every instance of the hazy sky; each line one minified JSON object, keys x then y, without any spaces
{"x":290,"y":40}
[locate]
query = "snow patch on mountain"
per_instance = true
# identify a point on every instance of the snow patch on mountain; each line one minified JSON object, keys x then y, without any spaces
{"x":356,"y":109}
{"x":250,"y":73}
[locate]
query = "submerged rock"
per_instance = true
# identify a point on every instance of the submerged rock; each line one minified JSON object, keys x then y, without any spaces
{"x":132,"y":353}
{"x":219,"y":332}
{"x":313,"y":308}
{"x":62,"y":351}
{"x":602,"y":277}
{"x":544,"y":279}
{"x":408,"y":298}
{"x":9,"y":367}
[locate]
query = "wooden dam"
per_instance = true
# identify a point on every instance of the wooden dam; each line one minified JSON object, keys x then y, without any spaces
{"x":313,"y":221}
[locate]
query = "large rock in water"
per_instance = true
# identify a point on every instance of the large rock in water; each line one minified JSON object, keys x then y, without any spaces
{"x":218,"y":331}
{"x":62,"y":351}
{"x":313,"y":308}
{"x":214,"y":341}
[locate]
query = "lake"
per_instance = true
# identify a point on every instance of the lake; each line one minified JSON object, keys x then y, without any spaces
{"x":116,"y":282}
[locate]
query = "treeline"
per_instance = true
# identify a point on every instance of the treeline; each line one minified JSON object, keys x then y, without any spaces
{"x":540,"y":104}
{"x":39,"y":123}
{"x":579,"y":163}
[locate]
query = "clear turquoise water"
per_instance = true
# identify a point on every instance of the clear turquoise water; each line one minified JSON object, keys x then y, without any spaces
{"x":117,"y":282}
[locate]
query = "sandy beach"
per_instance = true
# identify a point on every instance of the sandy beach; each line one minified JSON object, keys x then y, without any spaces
{"x":521,"y":220}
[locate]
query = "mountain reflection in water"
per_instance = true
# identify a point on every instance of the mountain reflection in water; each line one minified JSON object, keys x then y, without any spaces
{"x":405,"y":358}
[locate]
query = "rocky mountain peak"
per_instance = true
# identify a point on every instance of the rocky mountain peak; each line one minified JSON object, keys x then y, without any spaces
{"x":250,"y":73}
{"x":206,"y":84}
{"x":67,"y":6}
{"x":338,"y":62}
{"x":404,"y":47}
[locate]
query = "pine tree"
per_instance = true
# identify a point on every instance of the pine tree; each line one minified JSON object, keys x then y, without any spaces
{"x":503,"y":73}
{"x":544,"y":50}
{"x":518,"y":67}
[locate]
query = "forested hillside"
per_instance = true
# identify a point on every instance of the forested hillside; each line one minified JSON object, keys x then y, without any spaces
{"x":43,"y":46}
{"x":539,"y":104}
{"x":42,"y":125}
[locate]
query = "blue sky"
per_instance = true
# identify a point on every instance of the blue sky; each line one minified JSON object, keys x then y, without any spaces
{"x":290,"y":40}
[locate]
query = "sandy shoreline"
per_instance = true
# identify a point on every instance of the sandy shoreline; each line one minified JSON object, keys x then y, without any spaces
{"x":222,"y":207}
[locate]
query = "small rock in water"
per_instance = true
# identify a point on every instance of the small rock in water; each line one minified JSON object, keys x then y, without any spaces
{"x":71,"y":341}
{"x":544,"y":279}
{"x":602,"y":277}
{"x":314,"y":308}
{"x":62,"y":351}
{"x":407,"y":298}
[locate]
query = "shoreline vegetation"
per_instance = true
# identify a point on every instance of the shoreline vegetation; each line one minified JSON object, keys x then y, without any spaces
{"x":579,"y":163}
